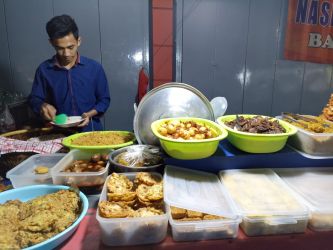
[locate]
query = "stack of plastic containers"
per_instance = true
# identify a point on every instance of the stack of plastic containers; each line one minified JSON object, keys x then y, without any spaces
{"x":201,"y":192}
{"x":315,"y":188}
{"x":266,"y":203}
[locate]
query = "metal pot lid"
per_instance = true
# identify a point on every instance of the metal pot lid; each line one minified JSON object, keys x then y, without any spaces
{"x":167,"y":101}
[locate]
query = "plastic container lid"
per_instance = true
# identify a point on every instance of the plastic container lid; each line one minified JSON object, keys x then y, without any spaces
{"x":260,"y":192}
{"x":169,"y":100}
{"x":313,"y":185}
{"x":198,"y":191}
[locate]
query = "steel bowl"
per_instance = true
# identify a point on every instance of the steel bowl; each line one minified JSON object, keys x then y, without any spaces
{"x":167,"y":101}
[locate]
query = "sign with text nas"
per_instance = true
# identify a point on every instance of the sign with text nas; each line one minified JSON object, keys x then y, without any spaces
{"x":309,"y":31}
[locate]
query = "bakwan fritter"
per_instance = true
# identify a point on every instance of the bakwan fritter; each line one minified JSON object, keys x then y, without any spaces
{"x":24,"y":224}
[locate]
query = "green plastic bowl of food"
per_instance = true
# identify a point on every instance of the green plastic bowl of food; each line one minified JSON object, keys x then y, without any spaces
{"x":99,"y":140}
{"x":190,"y":149}
{"x":253,"y":142}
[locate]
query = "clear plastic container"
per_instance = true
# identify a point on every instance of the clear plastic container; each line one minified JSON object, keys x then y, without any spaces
{"x":315,"y":188}
{"x":320,"y":144}
{"x":24,"y":174}
{"x":202,"y":192}
{"x":131,"y":231}
{"x":88,"y":182}
{"x":267,"y":204}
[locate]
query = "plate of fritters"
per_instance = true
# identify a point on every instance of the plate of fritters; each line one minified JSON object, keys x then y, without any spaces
{"x":54,"y":213}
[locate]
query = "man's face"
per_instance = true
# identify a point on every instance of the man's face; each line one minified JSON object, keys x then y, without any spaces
{"x":66,"y":48}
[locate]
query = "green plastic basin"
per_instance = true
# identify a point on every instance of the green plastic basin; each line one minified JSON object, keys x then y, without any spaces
{"x":256,"y":143}
{"x":190,"y":149}
{"x":68,"y":141}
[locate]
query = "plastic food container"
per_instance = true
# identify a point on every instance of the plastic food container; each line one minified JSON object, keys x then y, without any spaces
{"x":24,"y":174}
{"x":267,"y":204}
{"x":202,"y":192}
{"x":87,"y":182}
{"x":256,"y":143}
{"x":131,"y":231}
{"x":319,"y":144}
{"x":315,"y":187}
{"x":190,"y":149}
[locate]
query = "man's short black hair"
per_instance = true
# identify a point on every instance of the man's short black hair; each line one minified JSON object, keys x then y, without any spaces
{"x":60,"y":26}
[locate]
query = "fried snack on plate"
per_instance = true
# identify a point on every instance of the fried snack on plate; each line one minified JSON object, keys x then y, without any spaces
{"x":147,"y":179}
{"x":109,"y":209}
{"x":150,"y":193}
{"x":177,"y":213}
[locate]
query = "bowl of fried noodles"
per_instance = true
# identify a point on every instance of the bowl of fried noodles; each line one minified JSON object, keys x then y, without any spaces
{"x":98,"y":140}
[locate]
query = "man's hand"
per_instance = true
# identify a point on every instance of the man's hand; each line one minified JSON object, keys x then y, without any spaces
{"x":85,"y":122}
{"x":87,"y":116}
{"x":47,"y":111}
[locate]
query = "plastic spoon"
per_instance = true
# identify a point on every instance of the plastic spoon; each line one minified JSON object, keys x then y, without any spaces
{"x":60,"y":119}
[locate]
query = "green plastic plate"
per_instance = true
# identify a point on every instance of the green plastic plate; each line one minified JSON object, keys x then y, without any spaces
{"x":68,"y":141}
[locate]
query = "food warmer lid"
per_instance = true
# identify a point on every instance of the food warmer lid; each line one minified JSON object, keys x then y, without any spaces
{"x":169,"y":100}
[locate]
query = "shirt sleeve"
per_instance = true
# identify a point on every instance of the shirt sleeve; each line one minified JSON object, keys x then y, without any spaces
{"x":102,"y":92}
{"x":37,"y":95}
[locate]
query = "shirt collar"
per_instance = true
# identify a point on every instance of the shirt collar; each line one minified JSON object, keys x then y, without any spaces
{"x":53,"y":62}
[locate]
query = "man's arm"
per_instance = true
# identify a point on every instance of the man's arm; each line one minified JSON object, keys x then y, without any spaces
{"x":102,"y":93}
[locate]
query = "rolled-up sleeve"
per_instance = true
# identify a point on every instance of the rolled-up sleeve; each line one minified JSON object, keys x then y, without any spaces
{"x":102,"y":92}
{"x":37,"y":95}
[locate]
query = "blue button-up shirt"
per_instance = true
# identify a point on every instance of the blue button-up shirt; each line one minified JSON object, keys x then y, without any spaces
{"x":72,"y":91}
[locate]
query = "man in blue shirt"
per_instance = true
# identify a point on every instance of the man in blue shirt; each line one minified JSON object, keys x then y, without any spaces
{"x":69,"y":83}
